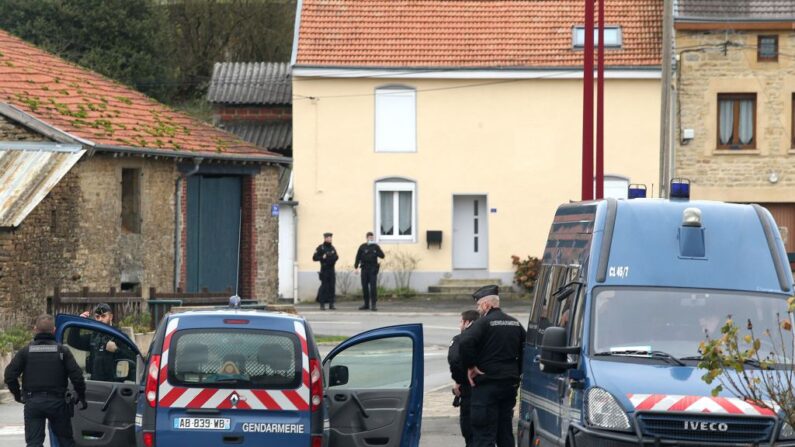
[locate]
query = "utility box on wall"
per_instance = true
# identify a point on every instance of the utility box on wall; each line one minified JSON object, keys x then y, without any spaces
{"x":433,"y":237}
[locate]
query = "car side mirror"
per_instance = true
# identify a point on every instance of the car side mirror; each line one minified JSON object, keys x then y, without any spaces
{"x":554,"y":352}
{"x":123,"y":368}
{"x":338,"y":375}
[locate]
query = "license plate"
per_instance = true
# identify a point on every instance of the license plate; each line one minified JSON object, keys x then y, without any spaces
{"x":202,"y":424}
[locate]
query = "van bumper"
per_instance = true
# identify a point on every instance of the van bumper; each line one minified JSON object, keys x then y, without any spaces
{"x":583,"y":436}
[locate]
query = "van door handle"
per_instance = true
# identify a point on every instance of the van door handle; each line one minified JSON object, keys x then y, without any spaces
{"x":340,"y":397}
{"x":537,"y":358}
{"x":126,"y":392}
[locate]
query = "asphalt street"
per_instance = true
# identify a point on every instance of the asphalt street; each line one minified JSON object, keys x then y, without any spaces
{"x":440,"y":324}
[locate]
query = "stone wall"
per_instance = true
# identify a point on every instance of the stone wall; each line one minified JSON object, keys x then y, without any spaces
{"x":706,"y":69}
{"x":39,"y":254}
{"x":109,"y":255}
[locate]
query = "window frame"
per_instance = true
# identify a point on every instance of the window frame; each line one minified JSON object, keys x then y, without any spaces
{"x":396,"y":186}
{"x":736,"y":97}
{"x":759,"y":56}
{"x":792,"y":122}
{"x":379,"y":147}
{"x":581,"y":45}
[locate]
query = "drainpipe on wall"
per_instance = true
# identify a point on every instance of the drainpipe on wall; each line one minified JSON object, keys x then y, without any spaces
{"x":178,"y":219}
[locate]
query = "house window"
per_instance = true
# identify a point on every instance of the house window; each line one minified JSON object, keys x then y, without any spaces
{"x":612,"y":36}
{"x":131,"y":200}
{"x":767,"y":49}
{"x":737,"y":121}
{"x":395,"y":207}
{"x":395,"y":119}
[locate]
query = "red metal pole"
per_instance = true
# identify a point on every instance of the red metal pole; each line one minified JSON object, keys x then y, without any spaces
{"x":587,"y":104}
{"x":600,"y":106}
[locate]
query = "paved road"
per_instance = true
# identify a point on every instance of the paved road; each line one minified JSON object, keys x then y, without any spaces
{"x":440,"y":323}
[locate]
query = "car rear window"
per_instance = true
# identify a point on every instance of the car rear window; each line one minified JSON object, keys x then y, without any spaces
{"x":234,"y":358}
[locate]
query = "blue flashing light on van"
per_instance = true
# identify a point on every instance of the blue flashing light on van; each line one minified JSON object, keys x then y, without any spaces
{"x":626,"y":292}
{"x":246,"y":378}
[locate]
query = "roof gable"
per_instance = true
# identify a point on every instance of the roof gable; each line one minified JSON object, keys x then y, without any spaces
{"x":103,"y":112}
{"x":467,"y":33}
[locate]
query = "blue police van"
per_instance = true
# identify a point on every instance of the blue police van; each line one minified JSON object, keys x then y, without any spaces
{"x":248,"y":377}
{"x":627,"y":291}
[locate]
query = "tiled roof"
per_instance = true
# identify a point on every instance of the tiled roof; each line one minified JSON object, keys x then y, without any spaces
{"x":275,"y":135}
{"x":734,"y":10}
{"x":101,"y":111}
{"x":251,"y":83}
{"x":467,"y":33}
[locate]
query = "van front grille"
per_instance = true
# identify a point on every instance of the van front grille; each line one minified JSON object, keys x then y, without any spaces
{"x":706,"y":428}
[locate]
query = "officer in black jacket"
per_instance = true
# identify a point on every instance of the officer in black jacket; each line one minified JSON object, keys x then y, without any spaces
{"x":491,"y":350}
{"x":367,"y":258}
{"x":103,"y":350}
{"x":44,"y":366}
{"x":326,"y":254}
{"x":462,"y":389}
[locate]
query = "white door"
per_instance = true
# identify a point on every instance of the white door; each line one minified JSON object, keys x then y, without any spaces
{"x":286,"y":250}
{"x":470,"y":232}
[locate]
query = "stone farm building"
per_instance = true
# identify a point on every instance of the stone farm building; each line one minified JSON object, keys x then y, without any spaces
{"x":101,"y":186}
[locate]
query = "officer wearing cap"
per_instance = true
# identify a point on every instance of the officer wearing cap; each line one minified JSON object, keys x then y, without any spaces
{"x":326,"y":254}
{"x":45,"y":366}
{"x":101,"y":361}
{"x":491,"y":350}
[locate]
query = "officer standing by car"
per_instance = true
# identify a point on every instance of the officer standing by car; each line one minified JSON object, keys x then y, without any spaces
{"x":45,"y":366}
{"x":367,"y":257}
{"x":491,"y":350}
{"x":462,"y":389}
{"x":102,"y":349}
{"x":326,"y":254}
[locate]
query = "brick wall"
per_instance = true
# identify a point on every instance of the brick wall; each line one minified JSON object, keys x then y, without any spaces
{"x":266,"y":191}
{"x":40,"y":253}
{"x":248,"y":239}
{"x":705,"y":71}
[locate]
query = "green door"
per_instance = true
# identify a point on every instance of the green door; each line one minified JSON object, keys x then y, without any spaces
{"x":213,"y":226}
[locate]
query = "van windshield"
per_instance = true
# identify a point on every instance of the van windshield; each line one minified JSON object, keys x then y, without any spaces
{"x":234,"y":358}
{"x":657,"y":322}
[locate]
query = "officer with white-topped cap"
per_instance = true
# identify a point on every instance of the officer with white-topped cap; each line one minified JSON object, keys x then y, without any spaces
{"x":491,"y":350}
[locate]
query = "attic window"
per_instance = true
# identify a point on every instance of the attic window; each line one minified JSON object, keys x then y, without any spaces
{"x":612,"y":37}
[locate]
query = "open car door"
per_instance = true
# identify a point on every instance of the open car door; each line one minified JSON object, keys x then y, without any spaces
{"x":374,"y":388}
{"x":110,"y":417}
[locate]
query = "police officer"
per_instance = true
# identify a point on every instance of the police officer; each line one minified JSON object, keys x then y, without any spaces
{"x":326,"y":254}
{"x":491,"y":350}
{"x":44,"y":366}
{"x":462,"y":389}
{"x":367,"y":258}
{"x":102,"y":348}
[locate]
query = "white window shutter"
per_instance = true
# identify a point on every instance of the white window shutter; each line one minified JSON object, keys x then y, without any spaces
{"x":395,"y":120}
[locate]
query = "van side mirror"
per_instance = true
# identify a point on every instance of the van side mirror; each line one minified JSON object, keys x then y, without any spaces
{"x":123,"y":368}
{"x":338,"y":375}
{"x":554,"y":352}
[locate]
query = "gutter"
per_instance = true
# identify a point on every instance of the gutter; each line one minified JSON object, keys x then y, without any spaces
{"x":194,"y":155}
{"x":178,"y":220}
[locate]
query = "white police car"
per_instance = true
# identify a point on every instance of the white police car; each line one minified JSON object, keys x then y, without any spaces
{"x":247,"y":377}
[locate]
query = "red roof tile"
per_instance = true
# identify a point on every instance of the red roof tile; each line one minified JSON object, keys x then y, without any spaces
{"x":95,"y":108}
{"x":465,"y":33}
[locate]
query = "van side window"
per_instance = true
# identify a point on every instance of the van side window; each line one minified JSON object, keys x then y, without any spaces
{"x":539,"y":303}
{"x":102,"y":357}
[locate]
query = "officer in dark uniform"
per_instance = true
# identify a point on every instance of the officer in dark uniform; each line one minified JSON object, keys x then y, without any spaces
{"x":44,"y":366}
{"x":367,"y":258}
{"x":103,"y":351}
{"x":491,"y":350}
{"x":326,"y":254}
{"x":462,"y":389}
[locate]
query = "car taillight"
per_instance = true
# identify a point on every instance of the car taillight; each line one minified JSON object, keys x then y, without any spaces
{"x":315,"y":386}
{"x":149,"y":439}
{"x":150,"y":390}
{"x":317,"y":440}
